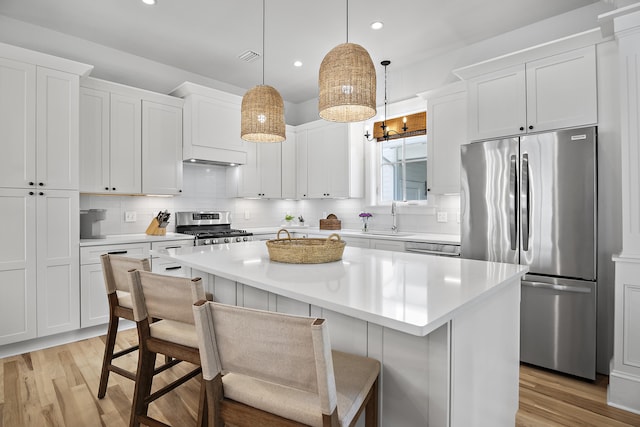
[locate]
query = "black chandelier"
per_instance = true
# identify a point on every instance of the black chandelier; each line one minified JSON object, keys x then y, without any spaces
{"x":385,"y":131}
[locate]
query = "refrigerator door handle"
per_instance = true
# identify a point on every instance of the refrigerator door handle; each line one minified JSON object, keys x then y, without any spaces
{"x":513,"y":190}
{"x":556,"y":287}
{"x":524,"y":201}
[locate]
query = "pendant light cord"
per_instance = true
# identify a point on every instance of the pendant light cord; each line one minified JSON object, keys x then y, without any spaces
{"x":263,"y":52}
{"x":347,"y":21}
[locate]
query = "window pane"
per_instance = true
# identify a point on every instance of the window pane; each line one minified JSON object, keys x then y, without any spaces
{"x":403,"y":173}
{"x":416,"y":180}
{"x":390,"y":188}
{"x":392,"y":151}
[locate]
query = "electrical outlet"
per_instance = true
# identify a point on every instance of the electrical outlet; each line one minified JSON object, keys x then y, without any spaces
{"x":130,"y":216}
{"x":441,"y":217}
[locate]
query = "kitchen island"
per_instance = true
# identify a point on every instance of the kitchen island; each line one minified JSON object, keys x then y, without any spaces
{"x":445,"y":329}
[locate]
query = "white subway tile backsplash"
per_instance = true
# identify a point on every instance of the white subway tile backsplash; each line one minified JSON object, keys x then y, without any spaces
{"x":205,"y":189}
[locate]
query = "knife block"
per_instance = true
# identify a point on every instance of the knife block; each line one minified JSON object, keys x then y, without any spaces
{"x":154,"y":228}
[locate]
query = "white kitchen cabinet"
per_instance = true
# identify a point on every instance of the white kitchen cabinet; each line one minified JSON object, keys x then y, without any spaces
{"x":94,"y":307}
{"x":261,"y":175}
{"x":387,"y":245}
{"x":161,"y":148}
{"x":334,"y":161}
{"x":302,"y":187}
{"x":447,"y":130}
{"x":289,"y":165}
{"x":18,"y":266}
{"x":557,"y":91}
{"x":58,"y":267}
{"x":211,"y":125}
{"x":131,"y":140}
{"x":358,"y":242}
{"x":125,"y":154}
{"x":40,"y":153}
{"x":164,"y":266}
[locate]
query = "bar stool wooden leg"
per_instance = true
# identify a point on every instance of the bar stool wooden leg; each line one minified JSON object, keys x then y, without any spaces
{"x":109,"y":345}
{"x":140,"y":405}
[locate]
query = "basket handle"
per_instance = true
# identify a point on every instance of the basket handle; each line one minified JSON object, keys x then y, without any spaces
{"x":333,"y":235}
{"x":280,"y":231}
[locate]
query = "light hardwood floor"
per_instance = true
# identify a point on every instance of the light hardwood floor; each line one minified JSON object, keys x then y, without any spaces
{"x":57,"y":387}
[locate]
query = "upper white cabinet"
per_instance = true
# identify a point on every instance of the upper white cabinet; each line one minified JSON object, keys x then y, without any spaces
{"x":446,"y":130}
{"x":130,"y":140}
{"x":289,"y":164}
{"x":334,"y":161}
{"x":211,"y":125}
{"x":553,"y":92}
{"x":261,"y":175}
{"x":161,"y":148}
{"x":42,"y":153}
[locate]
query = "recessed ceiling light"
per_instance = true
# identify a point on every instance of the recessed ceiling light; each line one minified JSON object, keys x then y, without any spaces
{"x":297,"y":64}
{"x":377,"y":25}
{"x":149,"y":2}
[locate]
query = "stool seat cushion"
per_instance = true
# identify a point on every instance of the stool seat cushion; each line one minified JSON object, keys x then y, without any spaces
{"x":124,"y":299}
{"x":175,"y":332}
{"x":354,"y":376}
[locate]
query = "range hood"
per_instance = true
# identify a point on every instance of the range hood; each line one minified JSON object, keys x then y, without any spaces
{"x":211,"y":126}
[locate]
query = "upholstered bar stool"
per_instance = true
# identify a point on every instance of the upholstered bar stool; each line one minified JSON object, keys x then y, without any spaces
{"x":115,"y":269}
{"x":168,"y":301}
{"x":270,"y":369}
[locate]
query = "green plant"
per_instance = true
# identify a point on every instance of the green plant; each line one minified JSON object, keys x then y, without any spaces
{"x":288,"y":217}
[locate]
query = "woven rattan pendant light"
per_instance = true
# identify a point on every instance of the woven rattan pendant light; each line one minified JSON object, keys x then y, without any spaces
{"x":262,"y":112}
{"x":347,"y":83}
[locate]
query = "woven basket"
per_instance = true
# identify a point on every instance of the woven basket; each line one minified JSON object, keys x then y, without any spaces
{"x":305,"y":251}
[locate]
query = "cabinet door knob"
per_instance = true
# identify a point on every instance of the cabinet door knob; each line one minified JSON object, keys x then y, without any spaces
{"x":41,"y":193}
{"x":530,"y":126}
{"x":106,"y":188}
{"x":31,"y":183}
{"x":114,"y":188}
{"x":41,"y":184}
{"x":521,"y":127}
{"x":31,"y":193}
{"x":180,"y":191}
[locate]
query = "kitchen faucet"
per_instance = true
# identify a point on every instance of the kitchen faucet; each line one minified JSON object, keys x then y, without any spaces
{"x":394,"y":226}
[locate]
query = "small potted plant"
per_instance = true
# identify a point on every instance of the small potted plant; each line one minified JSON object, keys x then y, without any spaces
{"x":288,"y":218}
{"x":364,"y":216}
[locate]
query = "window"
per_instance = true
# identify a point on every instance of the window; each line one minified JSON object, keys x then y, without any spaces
{"x":403,"y":169}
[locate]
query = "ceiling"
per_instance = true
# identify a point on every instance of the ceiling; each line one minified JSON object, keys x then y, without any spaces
{"x":207,"y":36}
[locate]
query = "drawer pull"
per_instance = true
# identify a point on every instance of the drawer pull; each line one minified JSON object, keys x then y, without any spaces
{"x":173,"y":247}
{"x":177,"y":267}
{"x":117,"y":252}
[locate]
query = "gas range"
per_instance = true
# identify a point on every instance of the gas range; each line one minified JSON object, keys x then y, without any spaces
{"x":210,"y":228}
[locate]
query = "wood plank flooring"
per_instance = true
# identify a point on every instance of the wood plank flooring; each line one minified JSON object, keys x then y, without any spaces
{"x":57,"y":387}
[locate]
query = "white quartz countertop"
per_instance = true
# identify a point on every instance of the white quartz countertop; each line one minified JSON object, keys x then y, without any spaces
{"x":409,"y":292}
{"x":116,"y":239}
{"x":405,"y":236}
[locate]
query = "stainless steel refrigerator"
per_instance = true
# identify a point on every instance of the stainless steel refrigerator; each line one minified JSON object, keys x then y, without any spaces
{"x":532,"y":200}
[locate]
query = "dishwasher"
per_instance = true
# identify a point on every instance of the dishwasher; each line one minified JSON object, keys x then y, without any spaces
{"x":438,"y":249}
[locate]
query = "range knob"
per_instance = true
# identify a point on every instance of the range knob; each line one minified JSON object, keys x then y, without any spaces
{"x":214,"y":241}
{"x":226,"y":240}
{"x":238,"y":239}
{"x":245,"y":239}
{"x":207,"y":241}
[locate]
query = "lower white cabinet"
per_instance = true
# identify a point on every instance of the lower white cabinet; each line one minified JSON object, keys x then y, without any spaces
{"x":39,"y":293}
{"x":164,"y":266}
{"x":94,"y":307}
{"x":387,"y":245}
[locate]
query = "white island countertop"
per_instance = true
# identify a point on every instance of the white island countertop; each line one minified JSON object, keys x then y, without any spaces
{"x":408,"y":292}
{"x":117,"y":239}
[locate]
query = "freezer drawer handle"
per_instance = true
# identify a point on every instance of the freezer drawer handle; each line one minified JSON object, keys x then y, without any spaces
{"x":117,"y":252}
{"x":555,"y":287}
{"x":512,"y":203}
{"x":177,"y":267}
